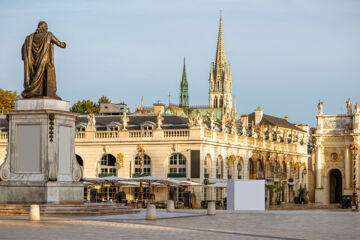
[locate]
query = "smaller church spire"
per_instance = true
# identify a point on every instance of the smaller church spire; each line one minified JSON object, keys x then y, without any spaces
{"x":184,"y":78}
{"x":184,"y":93}
{"x":234,"y":110}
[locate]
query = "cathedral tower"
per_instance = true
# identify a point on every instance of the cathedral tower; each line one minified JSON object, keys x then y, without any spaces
{"x":220,"y":80}
{"x":184,"y":92}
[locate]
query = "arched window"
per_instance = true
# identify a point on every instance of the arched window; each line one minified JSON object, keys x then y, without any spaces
{"x":215,"y":102}
{"x":260,"y":169}
{"x":107,"y":166}
{"x":221,"y":102}
{"x":218,"y":86}
{"x":79,"y":160}
{"x":252,"y":174}
{"x":207,"y":166}
{"x":219,"y":167}
{"x":177,"y":165}
{"x":284,"y":170}
{"x":146,"y":166}
{"x":240,"y":169}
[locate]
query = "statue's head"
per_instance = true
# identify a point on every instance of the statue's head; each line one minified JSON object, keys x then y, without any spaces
{"x":42,"y":27}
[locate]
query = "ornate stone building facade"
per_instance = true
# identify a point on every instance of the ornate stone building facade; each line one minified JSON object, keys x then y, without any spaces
{"x":258,"y":146}
{"x":332,"y":159}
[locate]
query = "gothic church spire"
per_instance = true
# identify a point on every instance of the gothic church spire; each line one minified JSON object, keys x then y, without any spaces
{"x":184,"y":92}
{"x":220,"y":50}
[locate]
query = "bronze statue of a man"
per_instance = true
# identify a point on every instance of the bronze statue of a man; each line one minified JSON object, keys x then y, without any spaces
{"x":39,"y":69}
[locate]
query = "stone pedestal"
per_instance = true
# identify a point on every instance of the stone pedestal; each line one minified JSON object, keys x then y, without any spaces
{"x":40,"y":166}
{"x":211,"y":209}
{"x":151,"y":212}
{"x":170,"y":206}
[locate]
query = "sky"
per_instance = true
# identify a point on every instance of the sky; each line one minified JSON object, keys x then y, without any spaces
{"x":285,"y":55}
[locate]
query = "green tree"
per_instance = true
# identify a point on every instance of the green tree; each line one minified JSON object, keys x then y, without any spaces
{"x":7,"y":100}
{"x":279,"y":190}
{"x":270,"y":189}
{"x":85,"y":107}
{"x":104,"y":99}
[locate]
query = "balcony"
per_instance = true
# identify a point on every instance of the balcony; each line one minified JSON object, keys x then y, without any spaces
{"x":136,"y":175}
{"x":176,"y":175}
{"x":101,"y":175}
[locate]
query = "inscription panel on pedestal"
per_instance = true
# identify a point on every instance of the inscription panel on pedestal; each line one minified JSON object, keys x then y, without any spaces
{"x":28,"y":145}
{"x":65,"y":150}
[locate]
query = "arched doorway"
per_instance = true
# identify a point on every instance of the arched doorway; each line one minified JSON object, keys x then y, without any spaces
{"x":335,"y":180}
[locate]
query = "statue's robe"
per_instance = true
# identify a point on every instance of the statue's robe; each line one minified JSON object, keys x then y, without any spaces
{"x":39,"y":69}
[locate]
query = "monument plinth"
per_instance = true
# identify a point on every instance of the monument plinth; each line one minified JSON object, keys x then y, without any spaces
{"x":41,"y":166}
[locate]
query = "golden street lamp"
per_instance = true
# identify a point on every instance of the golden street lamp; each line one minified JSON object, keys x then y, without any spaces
{"x":355,"y":206}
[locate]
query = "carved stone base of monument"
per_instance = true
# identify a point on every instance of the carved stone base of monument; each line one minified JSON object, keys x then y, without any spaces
{"x":40,"y":166}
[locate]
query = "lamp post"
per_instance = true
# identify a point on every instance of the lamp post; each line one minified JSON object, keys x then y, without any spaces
{"x":355,"y":206}
{"x":141,"y":153}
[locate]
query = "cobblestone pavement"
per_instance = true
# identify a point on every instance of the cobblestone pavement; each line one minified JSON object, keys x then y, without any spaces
{"x":306,"y":224}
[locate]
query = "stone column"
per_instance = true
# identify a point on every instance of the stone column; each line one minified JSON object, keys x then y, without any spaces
{"x":348,"y":172}
{"x":246,"y":170}
{"x":318,"y":167}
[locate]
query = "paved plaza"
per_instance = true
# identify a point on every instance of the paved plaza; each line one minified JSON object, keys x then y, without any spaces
{"x":190,"y":224}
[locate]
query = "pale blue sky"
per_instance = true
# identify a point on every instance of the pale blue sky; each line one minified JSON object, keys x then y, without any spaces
{"x":285,"y":54}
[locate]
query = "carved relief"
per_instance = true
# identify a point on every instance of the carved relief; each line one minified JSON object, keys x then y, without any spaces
{"x":333,"y":123}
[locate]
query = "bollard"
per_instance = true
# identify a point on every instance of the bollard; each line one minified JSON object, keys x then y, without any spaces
{"x":34,"y":213}
{"x":211,"y":210}
{"x":151,"y":212}
{"x":170,"y":206}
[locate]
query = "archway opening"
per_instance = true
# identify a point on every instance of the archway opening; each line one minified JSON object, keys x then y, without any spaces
{"x":79,"y":160}
{"x":335,"y":185}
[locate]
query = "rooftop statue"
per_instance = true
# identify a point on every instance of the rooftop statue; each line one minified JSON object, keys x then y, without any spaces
{"x":349,"y":106}
{"x":320,"y":107}
{"x":39,"y":69}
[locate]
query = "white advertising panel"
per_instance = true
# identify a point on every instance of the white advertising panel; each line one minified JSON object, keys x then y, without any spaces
{"x":246,"y":195}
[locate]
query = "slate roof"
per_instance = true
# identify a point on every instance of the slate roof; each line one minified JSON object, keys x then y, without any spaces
{"x":135,"y":121}
{"x":274,"y":121}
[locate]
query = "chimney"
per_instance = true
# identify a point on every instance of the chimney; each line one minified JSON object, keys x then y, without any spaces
{"x":286,"y":118}
{"x":258,"y":115}
{"x":244,"y":120}
{"x":159,"y":108}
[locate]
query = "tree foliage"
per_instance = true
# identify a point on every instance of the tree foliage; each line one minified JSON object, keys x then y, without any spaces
{"x":104,"y":99}
{"x":7,"y":100}
{"x":85,"y":107}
